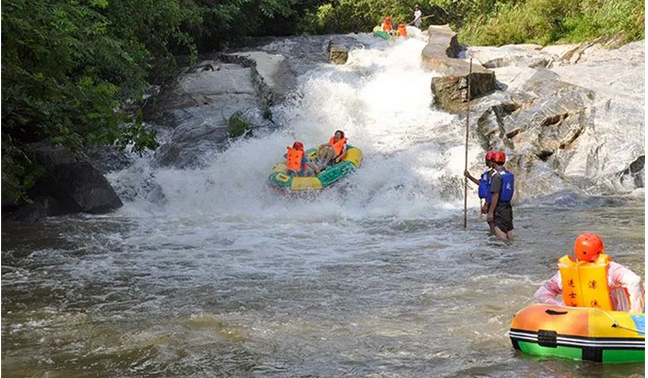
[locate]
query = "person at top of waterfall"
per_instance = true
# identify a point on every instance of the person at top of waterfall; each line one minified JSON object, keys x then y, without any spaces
{"x":484,"y":181}
{"x":297,"y":162}
{"x":500,"y":212}
{"x":616,"y":289}
{"x":418,"y":17}
{"x":387,"y":25}
{"x":334,"y":151}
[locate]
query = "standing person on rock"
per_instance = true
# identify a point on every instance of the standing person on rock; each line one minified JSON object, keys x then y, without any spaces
{"x":418,"y":17}
{"x":500,"y":211}
{"x":484,"y":183}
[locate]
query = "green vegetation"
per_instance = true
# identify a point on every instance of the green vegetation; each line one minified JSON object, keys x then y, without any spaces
{"x":74,"y":71}
{"x":239,"y":125}
{"x":497,"y":22}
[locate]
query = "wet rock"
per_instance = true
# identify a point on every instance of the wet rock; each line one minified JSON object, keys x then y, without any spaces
{"x":338,"y":54}
{"x":108,"y":158}
{"x":634,"y":176}
{"x":513,"y":55}
{"x":198,"y":107}
{"x":70,"y":184}
{"x":450,"y":89}
{"x":584,"y":121}
{"x":272,"y":75}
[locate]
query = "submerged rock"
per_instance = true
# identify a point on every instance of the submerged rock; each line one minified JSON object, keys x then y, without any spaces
{"x":338,"y":54}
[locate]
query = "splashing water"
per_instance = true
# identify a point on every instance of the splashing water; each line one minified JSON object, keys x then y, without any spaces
{"x":208,"y":272}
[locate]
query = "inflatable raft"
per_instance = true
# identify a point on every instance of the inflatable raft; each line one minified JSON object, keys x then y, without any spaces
{"x":378,"y":32}
{"x":279,"y":177}
{"x":579,"y":333}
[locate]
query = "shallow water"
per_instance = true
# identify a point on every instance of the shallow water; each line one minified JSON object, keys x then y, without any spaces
{"x":373,"y":278}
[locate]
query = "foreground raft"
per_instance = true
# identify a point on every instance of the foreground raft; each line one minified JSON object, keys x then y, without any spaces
{"x":578,"y":333}
{"x":279,"y":177}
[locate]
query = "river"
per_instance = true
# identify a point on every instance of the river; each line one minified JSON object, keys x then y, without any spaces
{"x":373,"y":278}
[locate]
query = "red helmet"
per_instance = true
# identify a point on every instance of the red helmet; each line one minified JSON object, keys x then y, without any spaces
{"x":387,"y":19}
{"x":588,"y":247}
{"x":489,"y":155}
{"x":298,"y":146}
{"x":499,"y":157}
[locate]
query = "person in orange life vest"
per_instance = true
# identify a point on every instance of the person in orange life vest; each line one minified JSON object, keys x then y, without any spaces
{"x":334,"y":151}
{"x":387,"y":25}
{"x":297,"y":162}
{"x":624,"y":288}
{"x":483,"y":181}
{"x":500,"y":212}
{"x":402,"y":31}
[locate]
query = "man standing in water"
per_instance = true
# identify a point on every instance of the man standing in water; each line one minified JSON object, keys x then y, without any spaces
{"x":500,"y":212}
{"x":484,"y":185}
{"x":418,"y":20}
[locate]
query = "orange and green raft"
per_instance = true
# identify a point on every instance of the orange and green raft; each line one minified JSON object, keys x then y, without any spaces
{"x":580,"y":333}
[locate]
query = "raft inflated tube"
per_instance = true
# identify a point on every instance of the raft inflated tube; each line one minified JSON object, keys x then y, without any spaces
{"x":280,"y":178}
{"x":579,"y":333}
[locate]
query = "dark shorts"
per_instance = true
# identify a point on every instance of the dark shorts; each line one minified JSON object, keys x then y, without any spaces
{"x":504,"y":216}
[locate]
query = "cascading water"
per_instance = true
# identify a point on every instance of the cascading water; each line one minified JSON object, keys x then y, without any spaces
{"x":214,"y":274}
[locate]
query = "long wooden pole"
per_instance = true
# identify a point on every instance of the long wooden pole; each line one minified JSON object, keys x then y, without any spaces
{"x":466,"y":157}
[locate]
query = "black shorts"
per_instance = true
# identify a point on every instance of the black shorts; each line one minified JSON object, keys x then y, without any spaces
{"x":504,"y":216}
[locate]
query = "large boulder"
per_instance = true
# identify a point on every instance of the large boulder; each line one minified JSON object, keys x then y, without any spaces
{"x":338,"y":54}
{"x":272,"y":74}
{"x":70,"y":184}
{"x":450,"y":88}
{"x":513,"y":55}
{"x":198,"y":109}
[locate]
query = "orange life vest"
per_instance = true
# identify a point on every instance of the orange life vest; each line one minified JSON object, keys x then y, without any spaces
{"x":338,"y":146}
{"x":294,"y":159}
{"x":402,"y":31}
{"x":386,"y":26}
{"x":585,"y":284}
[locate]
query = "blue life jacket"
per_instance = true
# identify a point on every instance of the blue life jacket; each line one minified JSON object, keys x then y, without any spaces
{"x":508,"y":185}
{"x":484,"y":185}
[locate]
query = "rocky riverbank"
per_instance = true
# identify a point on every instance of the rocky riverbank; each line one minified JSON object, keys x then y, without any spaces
{"x":572,"y":114}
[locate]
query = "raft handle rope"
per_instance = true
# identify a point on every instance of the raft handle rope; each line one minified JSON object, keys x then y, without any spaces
{"x":614,"y":322}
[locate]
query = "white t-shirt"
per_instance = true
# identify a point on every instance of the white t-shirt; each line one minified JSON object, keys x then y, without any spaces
{"x":418,"y":14}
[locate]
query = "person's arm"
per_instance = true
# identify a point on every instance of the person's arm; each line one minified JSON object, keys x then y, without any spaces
{"x":342,"y":155}
{"x":624,"y":277}
{"x":548,"y":292}
{"x":496,"y":187}
{"x":470,"y":177}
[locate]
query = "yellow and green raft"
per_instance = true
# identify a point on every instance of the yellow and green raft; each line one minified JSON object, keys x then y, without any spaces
{"x":378,"y":32}
{"x":279,"y":177}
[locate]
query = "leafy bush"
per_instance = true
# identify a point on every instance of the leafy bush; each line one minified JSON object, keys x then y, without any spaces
{"x":239,"y":125}
{"x":551,"y":21}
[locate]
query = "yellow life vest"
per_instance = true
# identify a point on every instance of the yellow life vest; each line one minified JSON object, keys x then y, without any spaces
{"x":585,"y":284}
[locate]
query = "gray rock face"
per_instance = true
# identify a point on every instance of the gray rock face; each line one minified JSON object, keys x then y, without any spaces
{"x":513,"y":55}
{"x":271,"y":73}
{"x":70,"y":185}
{"x":198,"y":108}
{"x":584,"y":122}
{"x":635,"y":175}
{"x":450,"y":89}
